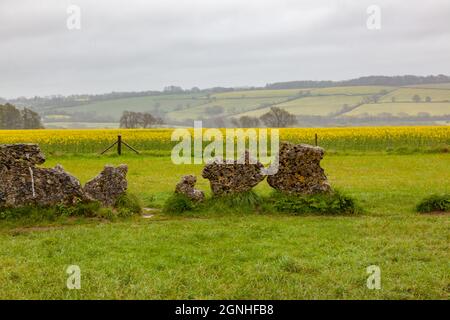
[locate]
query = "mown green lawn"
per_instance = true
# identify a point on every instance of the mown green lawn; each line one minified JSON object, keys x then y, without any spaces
{"x":249,"y":256}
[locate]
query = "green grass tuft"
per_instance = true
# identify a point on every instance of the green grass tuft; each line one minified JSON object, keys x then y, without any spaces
{"x":333,"y":204}
{"x":251,"y":203}
{"x":34,"y":214}
{"x":434,"y":203}
{"x":178,"y":203}
{"x":127,"y":205}
{"x":246,"y":202}
{"x":81,"y":209}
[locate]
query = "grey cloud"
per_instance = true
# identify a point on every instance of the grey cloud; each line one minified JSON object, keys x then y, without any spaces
{"x":142,"y":45}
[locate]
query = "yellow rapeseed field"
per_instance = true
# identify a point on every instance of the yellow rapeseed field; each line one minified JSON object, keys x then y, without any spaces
{"x":338,"y":139}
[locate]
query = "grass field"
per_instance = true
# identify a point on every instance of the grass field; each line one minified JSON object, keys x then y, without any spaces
{"x":242,"y":256}
{"x":319,"y":102}
{"x":434,"y":86}
{"x":317,"y":106}
{"x":114,"y":108}
{"x":351,"y":90}
{"x":407,"y":94}
{"x":409,"y":108}
{"x":230,"y":106}
{"x":87,"y":125}
{"x":259,"y":94}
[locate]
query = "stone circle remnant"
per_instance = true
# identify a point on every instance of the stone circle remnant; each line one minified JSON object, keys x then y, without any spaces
{"x":22,"y":183}
{"x":235,"y":177}
{"x":299,"y":170}
{"x":187,"y":187}
{"x":108,"y":185}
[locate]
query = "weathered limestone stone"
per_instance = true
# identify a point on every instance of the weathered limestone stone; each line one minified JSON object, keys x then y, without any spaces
{"x":299,"y":170}
{"x":21,"y":155}
{"x":235,"y":177}
{"x":109,"y":185}
{"x":187,"y":187}
{"x":22,"y":183}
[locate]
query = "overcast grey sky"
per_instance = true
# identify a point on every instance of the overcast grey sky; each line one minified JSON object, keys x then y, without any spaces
{"x":145,"y":45}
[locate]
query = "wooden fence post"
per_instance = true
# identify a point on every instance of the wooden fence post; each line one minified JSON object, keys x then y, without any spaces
{"x":119,"y":144}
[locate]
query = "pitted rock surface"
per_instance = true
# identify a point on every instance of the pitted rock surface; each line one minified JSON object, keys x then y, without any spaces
{"x":109,"y":185}
{"x":22,"y":183}
{"x":21,"y":155}
{"x":299,"y":170}
{"x":187,"y":187}
{"x":235,"y":177}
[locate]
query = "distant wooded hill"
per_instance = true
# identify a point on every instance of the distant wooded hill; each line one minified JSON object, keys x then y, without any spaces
{"x":73,"y":100}
{"x":373,"y":100}
{"x":406,"y":80}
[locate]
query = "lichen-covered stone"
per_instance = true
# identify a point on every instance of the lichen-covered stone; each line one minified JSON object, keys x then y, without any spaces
{"x":299,"y":170}
{"x":21,"y":155}
{"x":108,"y":186}
{"x":22,"y":183}
{"x":234,"y":177}
{"x":187,"y":187}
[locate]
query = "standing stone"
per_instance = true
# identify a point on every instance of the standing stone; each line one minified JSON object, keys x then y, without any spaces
{"x":299,"y":170}
{"x":235,"y":177}
{"x":187,"y":187}
{"x":109,"y":185}
{"x":22,"y":183}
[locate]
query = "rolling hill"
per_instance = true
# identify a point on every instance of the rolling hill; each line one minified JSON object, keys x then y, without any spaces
{"x":340,"y":102}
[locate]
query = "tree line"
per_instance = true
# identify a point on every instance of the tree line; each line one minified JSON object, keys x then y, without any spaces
{"x":406,"y":80}
{"x":13,"y":118}
{"x":274,"y":118}
{"x":132,"y":120}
